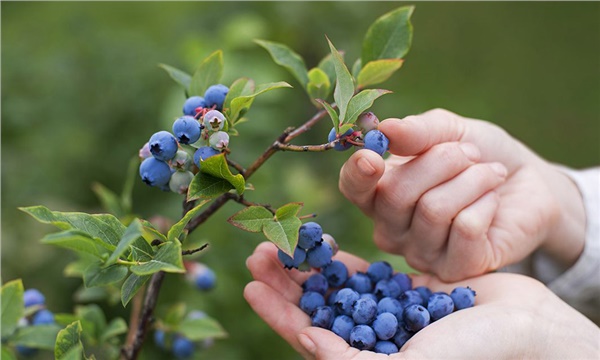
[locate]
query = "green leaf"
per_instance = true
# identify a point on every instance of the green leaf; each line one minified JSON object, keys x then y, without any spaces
{"x":251,"y":218}
{"x":286,"y":57}
{"x":133,"y":232}
{"x":151,"y":233}
{"x":38,"y":337}
{"x":127,"y":193}
{"x":105,"y":227}
{"x":109,"y":200}
{"x":12,"y":306}
{"x":288,"y":210}
{"x":116,"y":327}
{"x":356,"y":67}
{"x":175,"y":314}
{"x":168,"y":258}
{"x":326,"y":64}
{"x":378,"y":71}
{"x":181,"y":77}
{"x":283,"y":233}
{"x":318,"y":86}
{"x":74,"y":353}
{"x":240,"y":87}
{"x":199,"y":329}
{"x":241,"y":104}
{"x":131,"y":286}
{"x":178,"y":228}
{"x":361,"y":102}
{"x":344,"y":84}
{"x":208,"y":73}
{"x":93,"y":321}
{"x":345,"y":128}
{"x":95,"y":275}
{"x":77,"y":241}
{"x":68,"y":339}
{"x":7,"y":354}
{"x":389,"y":37}
{"x":332,"y":113}
{"x":215,"y":166}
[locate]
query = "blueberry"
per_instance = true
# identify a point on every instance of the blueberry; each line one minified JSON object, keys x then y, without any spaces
{"x":155,"y":172}
{"x":415,"y":317}
{"x":180,"y":181}
{"x":439,"y":305}
{"x":204,"y":277}
{"x":342,"y":325}
{"x":390,"y":305}
{"x":364,"y":311}
{"x":204,"y":153}
{"x":385,"y":325}
{"x":345,"y":299}
{"x":192,"y":103}
{"x":425,"y":293}
{"x":336,"y":273}
{"x":187,"y":129}
{"x":183,"y":347}
{"x":370,"y":296}
{"x":402,"y":335}
{"x":215,"y":96}
{"x":322,"y":317}
{"x":376,"y":141}
{"x":214,"y":120}
{"x":219,"y":140}
{"x":367,"y":121}
{"x":43,"y":317}
{"x":33,"y":297}
{"x":410,"y":297}
{"x":463,"y":297}
{"x":159,"y":338}
{"x":25,"y":350}
{"x":331,"y":241}
{"x":385,"y":347}
{"x":342,"y":144}
{"x":331,"y":298}
{"x":380,"y":270}
{"x":320,"y":255}
{"x":386,"y":288}
{"x":309,"y":235}
{"x":316,"y":282}
{"x":288,"y":262}
{"x":360,"y":282}
{"x":403,"y":280}
{"x":163,"y":145}
{"x":362,"y":337}
{"x":196,"y":314}
{"x":310,"y":301}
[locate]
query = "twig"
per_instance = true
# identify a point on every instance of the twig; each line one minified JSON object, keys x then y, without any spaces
{"x":305,"y":148}
{"x":193,"y":251}
{"x":240,"y":169}
{"x":243,"y":201}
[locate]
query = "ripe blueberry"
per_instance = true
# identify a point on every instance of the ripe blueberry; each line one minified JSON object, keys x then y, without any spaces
{"x":342,"y":325}
{"x":187,"y":129}
{"x":385,"y":325}
{"x":360,"y":282}
{"x":310,"y":301}
{"x":439,"y":305}
{"x":376,"y":141}
{"x":390,"y":305}
{"x":192,"y":103}
{"x":288,"y":262}
{"x":380,"y":270}
{"x":309,"y":235}
{"x":320,"y":255}
{"x":215,"y":96}
{"x":204,"y":153}
{"x":364,"y":311}
{"x":410,"y":297}
{"x":322,"y":317}
{"x":385,"y":347}
{"x":155,"y":172}
{"x":163,"y":145}
{"x":463,"y":297}
{"x":43,"y":317}
{"x":362,"y":337}
{"x":425,"y":293}
{"x":316,"y":282}
{"x":183,"y":347}
{"x":415,"y":317}
{"x":403,"y":280}
{"x":342,"y":144}
{"x":33,"y":297}
{"x":402,"y":336}
{"x":345,"y":300}
{"x":387,"y":288}
{"x":336,"y":273}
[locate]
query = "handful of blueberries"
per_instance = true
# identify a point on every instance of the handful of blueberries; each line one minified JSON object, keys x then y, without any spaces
{"x":376,"y":310}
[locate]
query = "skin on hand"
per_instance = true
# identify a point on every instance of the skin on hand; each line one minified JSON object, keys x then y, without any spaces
{"x":514,"y":317}
{"x":460,"y":197}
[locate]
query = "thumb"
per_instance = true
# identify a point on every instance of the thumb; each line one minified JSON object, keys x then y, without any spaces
{"x":416,"y":134}
{"x":325,"y":345}
{"x":359,"y":177}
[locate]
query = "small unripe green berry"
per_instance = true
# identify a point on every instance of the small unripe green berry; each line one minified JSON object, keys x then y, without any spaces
{"x":219,"y":140}
{"x":180,"y":181}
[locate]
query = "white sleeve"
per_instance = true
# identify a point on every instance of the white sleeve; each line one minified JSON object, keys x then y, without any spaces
{"x":578,"y":285}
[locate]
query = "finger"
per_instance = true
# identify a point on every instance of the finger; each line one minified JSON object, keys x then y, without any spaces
{"x":268,"y":270}
{"x":436,"y":209}
{"x":269,"y":250}
{"x":359,"y":177}
{"x":283,"y":316}
{"x":325,"y":345}
{"x":468,"y":240}
{"x":416,"y":134}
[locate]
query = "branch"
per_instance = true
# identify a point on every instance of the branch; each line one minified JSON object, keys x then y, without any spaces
{"x":214,"y":206}
{"x":305,"y":148}
{"x":243,"y":201}
{"x":193,"y":251}
{"x":240,"y":169}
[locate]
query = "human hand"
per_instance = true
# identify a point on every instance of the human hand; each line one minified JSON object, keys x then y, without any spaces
{"x":460,"y":197}
{"x":514,"y":317}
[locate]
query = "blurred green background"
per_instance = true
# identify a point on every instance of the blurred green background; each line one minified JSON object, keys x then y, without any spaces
{"x":81,"y":92}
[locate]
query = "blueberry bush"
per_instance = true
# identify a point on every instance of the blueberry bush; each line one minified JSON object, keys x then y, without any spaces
{"x":127,"y":256}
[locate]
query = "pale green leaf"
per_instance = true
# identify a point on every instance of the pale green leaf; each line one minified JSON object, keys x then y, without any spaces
{"x":178,"y":228}
{"x":77,"y":241}
{"x":133,"y":232}
{"x":361,"y":102}
{"x":116,"y":327}
{"x":168,"y":258}
{"x":241,"y":104}
{"x":332,"y":113}
{"x":68,"y":339}
{"x":286,"y":57}
{"x":181,"y":77}
{"x":7,"y":354}
{"x":251,"y":218}
{"x":217,"y":167}
{"x":356,"y":67}
{"x":131,"y":286}
{"x":175,"y":314}
{"x":12,"y":306}
{"x":199,"y":329}
{"x":151,"y":233}
{"x":344,"y":84}
{"x":93,"y":321}
{"x":109,"y":200}
{"x":378,"y":71}
{"x":326,"y":64}
{"x":318,"y":86}
{"x":204,"y":186}
{"x":283,"y":233}
{"x":38,"y":337}
{"x":288,"y":210}
{"x":389,"y":37}
{"x":208,"y":73}
{"x":95,"y":275}
{"x":241,"y":87}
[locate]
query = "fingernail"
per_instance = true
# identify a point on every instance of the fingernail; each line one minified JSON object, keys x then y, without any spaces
{"x":499,"y":169}
{"x":307,"y":343}
{"x":471,"y":151}
{"x":365,"y":167}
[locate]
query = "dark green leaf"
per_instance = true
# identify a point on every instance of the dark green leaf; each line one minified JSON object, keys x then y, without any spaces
{"x":378,"y":71}
{"x":283,"y":233}
{"x":12,"y":306}
{"x":75,"y":353}
{"x":105,"y":227}
{"x":168,"y":258}
{"x":215,"y":166}
{"x":288,"y":210}
{"x":332,"y":113}
{"x":131,"y":286}
{"x":242,"y":103}
{"x":241,"y":87}
{"x":77,"y":241}
{"x":151,"y":233}
{"x":251,"y":218}
{"x":208,"y":73}
{"x":93,"y":321}
{"x":286,"y":57}
{"x":199,"y":329}
{"x":344,"y":84}
{"x":68,"y":339}
{"x":116,"y":327}
{"x":389,"y":37}
{"x":318,"y":86}
{"x":362,"y":101}
{"x":109,"y":200}
{"x":204,"y":186}
{"x":95,"y":275}
{"x":133,"y":232}
{"x":180,"y":77}
{"x":178,"y":228}
{"x":38,"y":337}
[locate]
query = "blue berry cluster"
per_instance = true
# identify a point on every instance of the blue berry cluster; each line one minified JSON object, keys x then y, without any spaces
{"x":180,"y":346}
{"x":376,"y":310}
{"x":165,"y":163}
{"x":372,"y":138}
{"x":200,"y":275}
{"x":41,"y":316}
